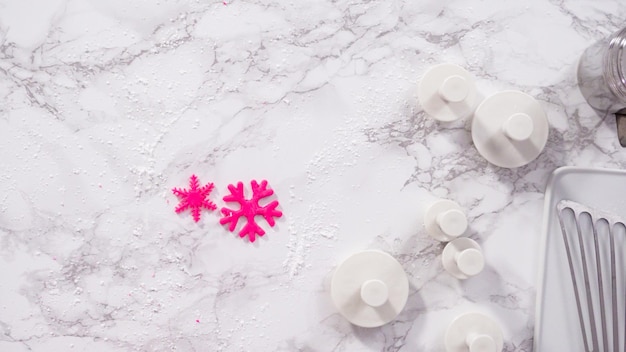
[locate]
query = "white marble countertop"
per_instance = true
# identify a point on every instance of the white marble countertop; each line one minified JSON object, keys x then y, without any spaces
{"x":108,"y":105}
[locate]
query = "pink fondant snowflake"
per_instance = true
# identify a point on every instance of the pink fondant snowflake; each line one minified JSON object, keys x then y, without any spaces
{"x":194,"y":198}
{"x":249,"y":208}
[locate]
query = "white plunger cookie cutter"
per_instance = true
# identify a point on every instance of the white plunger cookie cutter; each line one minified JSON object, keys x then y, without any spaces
{"x":463,"y":258}
{"x":510,"y":129}
{"x":445,"y":220}
{"x":370,"y":288}
{"x":474,"y":332}
{"x":447,"y":92}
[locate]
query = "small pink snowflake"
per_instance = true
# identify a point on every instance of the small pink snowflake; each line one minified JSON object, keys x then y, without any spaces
{"x":194,"y":198}
{"x":249,"y":208}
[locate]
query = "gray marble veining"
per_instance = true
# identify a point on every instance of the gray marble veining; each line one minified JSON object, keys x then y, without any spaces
{"x":106,"y":106}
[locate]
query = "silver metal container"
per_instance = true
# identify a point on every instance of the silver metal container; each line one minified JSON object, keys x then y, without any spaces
{"x":602,"y":73}
{"x":602,"y":78}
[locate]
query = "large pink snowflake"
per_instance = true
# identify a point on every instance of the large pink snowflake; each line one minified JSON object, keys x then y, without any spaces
{"x":249,"y":208}
{"x":194,"y":198}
